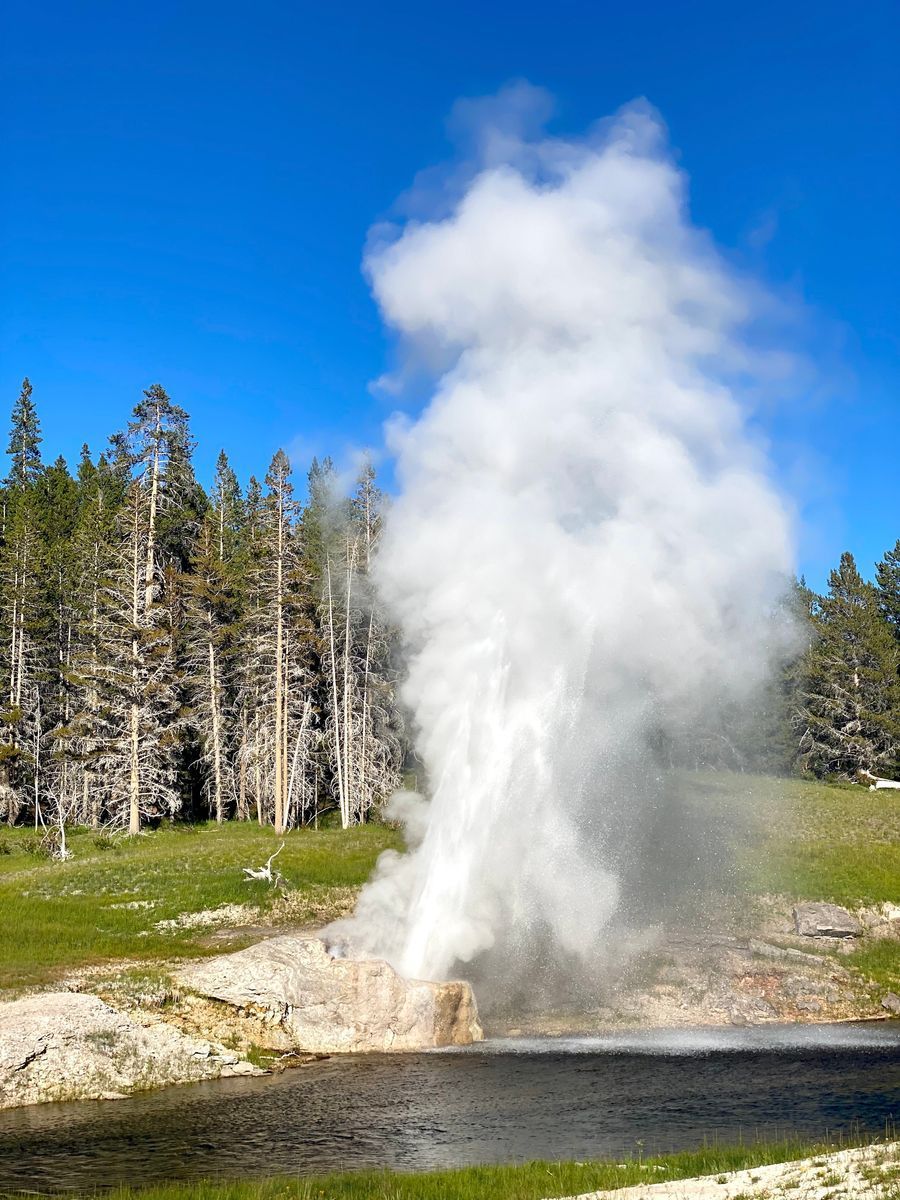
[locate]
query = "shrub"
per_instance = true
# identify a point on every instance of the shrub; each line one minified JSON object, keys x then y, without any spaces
{"x":104,"y":841}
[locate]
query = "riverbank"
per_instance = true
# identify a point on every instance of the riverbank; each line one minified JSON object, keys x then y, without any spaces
{"x":579,"y":1101}
{"x":867,"y":1173}
{"x":802,"y":1171}
{"x":120,"y":919}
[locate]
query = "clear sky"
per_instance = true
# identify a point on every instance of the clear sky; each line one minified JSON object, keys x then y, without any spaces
{"x":187,"y":189}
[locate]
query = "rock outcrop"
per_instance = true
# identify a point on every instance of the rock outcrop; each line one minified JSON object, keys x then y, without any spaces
{"x":332,"y":1005}
{"x":825,"y":920}
{"x":73,"y":1046}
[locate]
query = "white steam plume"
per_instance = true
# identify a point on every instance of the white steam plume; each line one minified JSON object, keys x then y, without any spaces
{"x":585,"y":544}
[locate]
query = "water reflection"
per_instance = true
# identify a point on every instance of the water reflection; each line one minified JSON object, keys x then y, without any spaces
{"x":510,"y":1101}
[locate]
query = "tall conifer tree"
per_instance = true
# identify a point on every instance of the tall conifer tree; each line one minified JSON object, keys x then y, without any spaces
{"x":22,"y":564}
{"x":851,"y":692}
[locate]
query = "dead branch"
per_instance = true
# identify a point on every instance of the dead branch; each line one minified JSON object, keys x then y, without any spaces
{"x":266,"y":873}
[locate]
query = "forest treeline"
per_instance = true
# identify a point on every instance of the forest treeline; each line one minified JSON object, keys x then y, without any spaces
{"x":843,"y":690}
{"x":171,"y":651}
{"x":833,"y":709}
{"x":166,"y":650}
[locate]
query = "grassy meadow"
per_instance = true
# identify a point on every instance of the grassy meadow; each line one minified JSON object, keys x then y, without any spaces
{"x":805,"y":840}
{"x":104,"y":905}
{"x":822,"y":841}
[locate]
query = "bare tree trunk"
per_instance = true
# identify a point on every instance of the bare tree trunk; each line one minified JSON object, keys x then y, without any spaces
{"x":134,"y":803}
{"x":13,"y":660}
{"x":256,"y":772}
{"x":92,"y":697}
{"x":38,"y":816}
{"x":65,"y":663}
{"x":21,"y":640}
{"x":216,"y":736}
{"x":150,"y":566}
{"x":297,"y":744}
{"x":134,"y":806}
{"x":91,"y":799}
{"x":334,"y":698}
{"x":243,"y":808}
{"x":285,"y":730}
{"x":365,"y":712}
{"x":348,"y":740}
{"x":14,"y":633}
{"x":279,"y":673}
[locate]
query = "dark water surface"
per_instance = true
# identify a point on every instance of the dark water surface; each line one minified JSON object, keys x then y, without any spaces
{"x":501,"y":1102}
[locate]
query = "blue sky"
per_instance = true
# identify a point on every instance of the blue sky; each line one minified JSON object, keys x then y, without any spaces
{"x":187,"y":190}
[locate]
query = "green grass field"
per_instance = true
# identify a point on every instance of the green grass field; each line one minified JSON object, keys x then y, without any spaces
{"x":531,"y":1181}
{"x":811,"y":841}
{"x":817,"y":841}
{"x":104,"y":904}
{"x":823,"y":841}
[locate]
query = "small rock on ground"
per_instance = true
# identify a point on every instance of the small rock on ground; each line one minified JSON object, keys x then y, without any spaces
{"x":825,"y":920}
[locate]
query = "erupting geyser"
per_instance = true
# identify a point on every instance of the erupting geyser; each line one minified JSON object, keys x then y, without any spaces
{"x":586,"y":552}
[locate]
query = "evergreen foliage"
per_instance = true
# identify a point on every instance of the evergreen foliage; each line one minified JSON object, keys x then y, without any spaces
{"x":24,"y":442}
{"x":160,"y":647}
{"x":887,"y":582}
{"x":164,"y":651}
{"x":851,"y":688}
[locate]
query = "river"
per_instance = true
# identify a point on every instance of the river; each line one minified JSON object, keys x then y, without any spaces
{"x":503,"y":1101}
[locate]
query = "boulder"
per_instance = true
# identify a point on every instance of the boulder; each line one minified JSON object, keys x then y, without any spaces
{"x":73,"y":1046}
{"x":891,"y":1003}
{"x":825,"y":920}
{"x":330,"y":1004}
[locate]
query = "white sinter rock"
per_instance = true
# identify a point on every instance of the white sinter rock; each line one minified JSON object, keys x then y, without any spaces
{"x":73,"y":1046}
{"x":331,"y":1004}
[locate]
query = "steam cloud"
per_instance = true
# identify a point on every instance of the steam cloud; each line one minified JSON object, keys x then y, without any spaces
{"x":585,"y":547}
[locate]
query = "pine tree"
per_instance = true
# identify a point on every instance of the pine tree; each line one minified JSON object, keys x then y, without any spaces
{"x":21,"y":573}
{"x":281,"y":510}
{"x":92,"y":676}
{"x":211,"y":633}
{"x":362,"y":726}
{"x":58,"y":511}
{"x":138,"y":674}
{"x":155,"y":641}
{"x":159,"y":447}
{"x":381,"y":742}
{"x":22,"y":621}
{"x":887,"y":581}
{"x":228,"y":507}
{"x":24,"y":442}
{"x":252,"y":674}
{"x":850,"y":692}
{"x":316,"y":521}
{"x":277,"y":715}
{"x":140,"y":658}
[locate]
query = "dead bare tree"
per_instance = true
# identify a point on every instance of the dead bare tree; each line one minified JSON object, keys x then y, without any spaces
{"x":362,"y":726}
{"x":277,"y":718}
